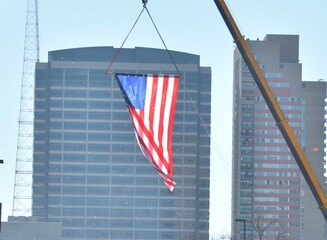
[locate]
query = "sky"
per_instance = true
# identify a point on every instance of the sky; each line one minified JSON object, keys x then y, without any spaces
{"x":185,"y":25}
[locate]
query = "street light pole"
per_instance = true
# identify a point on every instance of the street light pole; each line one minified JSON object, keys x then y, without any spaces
{"x":242,"y":220}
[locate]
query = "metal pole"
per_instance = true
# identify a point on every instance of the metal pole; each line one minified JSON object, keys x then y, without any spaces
{"x":242,"y":220}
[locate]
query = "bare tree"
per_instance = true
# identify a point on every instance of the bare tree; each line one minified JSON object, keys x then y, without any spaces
{"x":223,"y":236}
{"x":261,"y":224}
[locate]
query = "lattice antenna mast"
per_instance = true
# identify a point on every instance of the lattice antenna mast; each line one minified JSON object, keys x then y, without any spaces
{"x":22,"y":201}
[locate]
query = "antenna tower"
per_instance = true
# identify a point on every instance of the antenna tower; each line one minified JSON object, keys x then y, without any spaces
{"x":22,"y":201}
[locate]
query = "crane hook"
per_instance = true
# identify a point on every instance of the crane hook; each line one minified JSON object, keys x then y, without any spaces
{"x":144,"y":2}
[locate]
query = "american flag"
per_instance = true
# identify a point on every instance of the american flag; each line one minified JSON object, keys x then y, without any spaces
{"x":151,"y":101}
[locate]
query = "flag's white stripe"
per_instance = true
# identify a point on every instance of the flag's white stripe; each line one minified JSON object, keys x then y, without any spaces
{"x":157,"y":117}
{"x":136,"y":124}
{"x":146,"y":112}
{"x":149,"y":84}
{"x":155,"y":123}
{"x":166,"y":117}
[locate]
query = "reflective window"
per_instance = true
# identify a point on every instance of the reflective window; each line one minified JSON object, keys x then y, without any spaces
{"x":98,"y":169}
{"x":56,"y":114}
{"x":99,"y":137}
{"x":53,"y":190}
{"x":39,"y":147}
{"x":75,"y":125}
{"x":40,"y":104}
{"x":54,"y":200}
{"x":120,"y":115}
{"x":99,"y":126}
{"x":73,"y":201}
{"x":55,"y":125}
{"x":56,"y":92}
{"x":74,"y":169}
{"x":72,"y":233}
{"x":121,"y":213}
{"x":122,"y":126}
{"x":74,"y":179}
{"x":98,"y":158}
{"x":121,"y":223}
{"x":121,"y":234}
{"x":128,"y":137}
{"x":122,"y":170}
{"x":56,"y":104}
{"x":40,"y":115}
{"x":146,"y":213}
{"x":75,"y":136}
{"x":75,"y":115}
{"x":75,"y":93}
{"x":122,"y":191}
{"x":97,"y":223}
{"x":98,"y":201}
{"x":53,"y":146}
{"x":100,"y":94}
{"x":99,"y":83}
{"x":146,"y":224}
{"x":123,"y":147}
{"x":55,"y":136}
{"x":75,"y":104}
{"x":54,"y":179}
{"x":122,"y":159}
{"x":99,"y":115}
{"x":74,"y":158}
{"x":146,"y":202}
{"x":97,"y":233}
{"x":73,"y":222}
{"x":54,"y":168}
{"x":54,"y":211}
{"x":97,"y":212}
{"x":146,"y":192}
{"x":98,"y":180}
{"x":74,"y":190}
{"x":122,"y":202}
{"x":98,"y":147}
{"x":73,"y":211}
{"x":74,"y":147}
{"x":99,"y":105}
{"x":98,"y":190}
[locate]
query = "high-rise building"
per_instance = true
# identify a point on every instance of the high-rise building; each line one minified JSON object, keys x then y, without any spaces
{"x":88,"y":170}
{"x":268,"y":189}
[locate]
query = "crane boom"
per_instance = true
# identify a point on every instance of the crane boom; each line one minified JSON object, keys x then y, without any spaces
{"x":275,"y":109}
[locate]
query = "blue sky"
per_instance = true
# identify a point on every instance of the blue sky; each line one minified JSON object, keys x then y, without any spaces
{"x":185,"y":25}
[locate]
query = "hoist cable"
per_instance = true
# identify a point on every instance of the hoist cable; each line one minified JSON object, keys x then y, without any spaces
{"x":163,"y":42}
{"x":117,"y":53}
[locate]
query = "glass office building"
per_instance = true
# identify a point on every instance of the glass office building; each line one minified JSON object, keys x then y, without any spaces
{"x":89,"y":173}
{"x":268,"y":190}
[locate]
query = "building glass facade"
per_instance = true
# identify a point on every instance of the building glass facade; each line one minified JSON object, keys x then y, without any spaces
{"x":89,"y":173}
{"x":268,"y":188}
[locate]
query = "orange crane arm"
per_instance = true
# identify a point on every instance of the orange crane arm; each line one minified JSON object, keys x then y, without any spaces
{"x":276,"y":111}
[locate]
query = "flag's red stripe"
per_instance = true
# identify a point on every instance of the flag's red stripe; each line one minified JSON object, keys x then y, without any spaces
{"x":151,"y":110}
{"x":152,"y":102}
{"x":141,"y":114}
